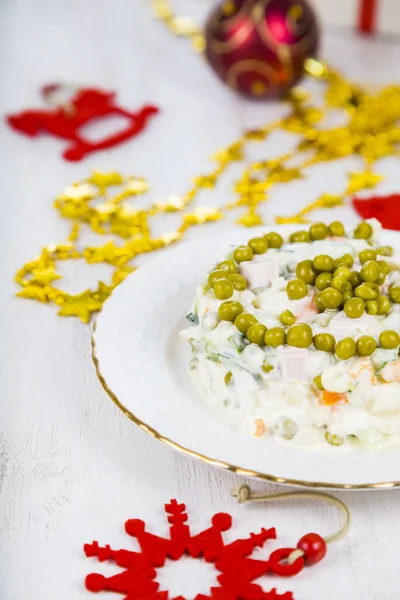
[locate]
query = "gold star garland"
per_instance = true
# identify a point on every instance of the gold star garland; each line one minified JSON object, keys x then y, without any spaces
{"x":371,"y":132}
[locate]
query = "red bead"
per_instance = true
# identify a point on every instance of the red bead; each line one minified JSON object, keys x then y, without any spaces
{"x":313,"y":546}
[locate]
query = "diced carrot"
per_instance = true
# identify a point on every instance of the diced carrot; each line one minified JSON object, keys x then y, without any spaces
{"x":330,"y":398}
{"x":260,"y":427}
{"x":206,"y":311}
{"x":366,"y":365}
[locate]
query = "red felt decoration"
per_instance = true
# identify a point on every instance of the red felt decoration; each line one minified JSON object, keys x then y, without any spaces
{"x":238,"y":571}
{"x":383,"y":208}
{"x":65,"y":121}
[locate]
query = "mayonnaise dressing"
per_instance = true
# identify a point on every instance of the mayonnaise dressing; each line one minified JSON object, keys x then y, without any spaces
{"x":246,"y":384}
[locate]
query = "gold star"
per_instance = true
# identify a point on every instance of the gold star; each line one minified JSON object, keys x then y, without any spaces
{"x":44,"y":276}
{"x":250,"y":219}
{"x":33,"y":292}
{"x":106,"y":253}
{"x":80,"y":305}
{"x":103,"y":291}
{"x":170,"y":204}
{"x":202,"y":214}
{"x":169,"y":238}
{"x":78,"y":193}
{"x":104,"y":180}
{"x":205,"y":181}
{"x":137,"y":186}
{"x":234,"y":152}
{"x":120,"y":274}
{"x":362,"y":181}
{"x":329,"y":201}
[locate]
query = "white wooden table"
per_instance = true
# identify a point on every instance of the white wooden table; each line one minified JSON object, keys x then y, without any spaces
{"x":72,"y":467}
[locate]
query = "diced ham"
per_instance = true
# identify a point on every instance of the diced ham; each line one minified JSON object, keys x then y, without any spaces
{"x":342,"y":326}
{"x":391,"y":371}
{"x":307,"y":313}
{"x":293,"y":362}
{"x":259,"y":274}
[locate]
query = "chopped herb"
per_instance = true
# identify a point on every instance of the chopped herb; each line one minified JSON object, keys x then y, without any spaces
{"x":193,"y":318}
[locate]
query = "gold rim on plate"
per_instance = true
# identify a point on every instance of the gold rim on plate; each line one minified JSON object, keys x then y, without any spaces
{"x":221,"y":464}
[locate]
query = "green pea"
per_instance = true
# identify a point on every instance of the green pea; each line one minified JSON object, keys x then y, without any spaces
{"x":385,"y":250}
{"x":363,"y":231}
{"x":334,"y":440}
{"x":366,"y":255}
{"x":394,"y":293}
{"x":223,"y":289}
{"x":287,"y":318}
{"x":389,"y":339}
{"x":381,"y":278}
{"x":324,"y":342}
{"x":228,"y":378}
{"x":374,"y":286}
{"x":340,"y":283}
{"x":366,"y":345}
{"x":384,"y":267}
{"x":296,"y":289}
{"x":336,"y":229}
{"x":384,"y":305}
{"x":243,"y":253}
{"x":239,"y":282}
{"x":258,"y":245}
{"x":274,"y":337}
{"x":299,"y":236}
{"x":317,"y":381}
{"x":323,"y":281}
{"x":345,"y":349}
{"x":255,"y":333}
{"x":319,"y":302}
{"x":354,"y":308}
{"x":244,"y":321}
{"x":323,"y":262}
{"x":355,"y":279}
{"x":228,"y":311}
{"x":384,"y":270}
{"x":275,"y":240}
{"x":217,"y":274}
{"x":319,"y":231}
{"x":305,"y":271}
{"x":344,"y":261}
{"x":371,"y":307}
{"x":299,"y":336}
{"x":370,"y":271}
{"x":342,"y":272}
{"x":347,"y":294}
{"x":331,"y":298}
{"x":365,"y":292}
{"x":228,"y":265}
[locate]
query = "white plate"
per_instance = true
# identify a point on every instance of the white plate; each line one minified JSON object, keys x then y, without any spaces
{"x":139,"y":360}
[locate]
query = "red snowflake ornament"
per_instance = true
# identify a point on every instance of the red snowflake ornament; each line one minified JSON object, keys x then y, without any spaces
{"x":68,"y":117}
{"x":238,"y":570}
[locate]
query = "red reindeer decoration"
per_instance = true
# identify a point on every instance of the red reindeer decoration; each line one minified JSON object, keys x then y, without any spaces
{"x":67,"y":117}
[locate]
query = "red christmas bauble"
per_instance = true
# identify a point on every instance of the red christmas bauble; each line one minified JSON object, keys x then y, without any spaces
{"x":258,"y":47}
